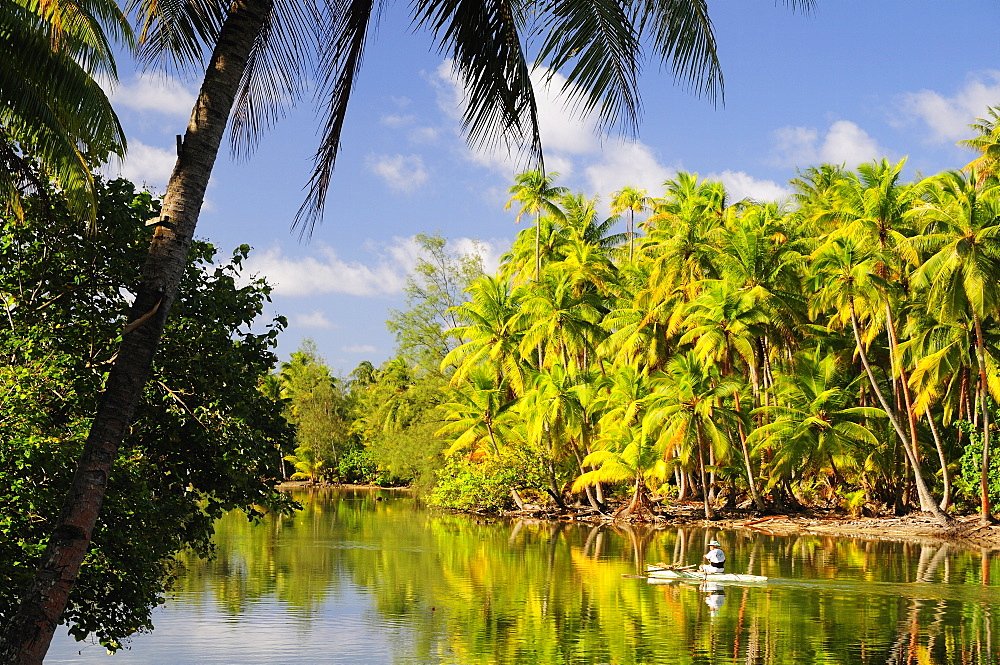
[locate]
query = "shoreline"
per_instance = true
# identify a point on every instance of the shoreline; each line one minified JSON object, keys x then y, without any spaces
{"x":913,"y":527}
{"x":966,"y":531}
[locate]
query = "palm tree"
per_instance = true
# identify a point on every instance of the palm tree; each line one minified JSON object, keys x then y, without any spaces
{"x":536,"y":194}
{"x":813,"y":423}
{"x":308,"y":465}
{"x":962,"y":235}
{"x":51,"y":108}
{"x":986,"y":143}
{"x":476,"y":414}
{"x":492,"y":335}
{"x":622,"y":451}
{"x":686,"y":409}
{"x":873,"y":206}
{"x":257,"y":58}
{"x":724,"y":325}
{"x":634,"y":201}
{"x":848,"y":285}
{"x":681,"y":233}
{"x":559,"y":321}
{"x":553,"y":414}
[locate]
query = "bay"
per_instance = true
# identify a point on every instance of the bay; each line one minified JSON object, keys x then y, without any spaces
{"x":372,"y":576}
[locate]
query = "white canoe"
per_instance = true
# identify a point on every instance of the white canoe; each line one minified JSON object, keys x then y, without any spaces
{"x":697,"y":576}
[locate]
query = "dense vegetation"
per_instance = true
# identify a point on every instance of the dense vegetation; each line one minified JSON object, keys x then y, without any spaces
{"x":205,"y":440}
{"x":840,"y":350}
{"x":825,"y":350}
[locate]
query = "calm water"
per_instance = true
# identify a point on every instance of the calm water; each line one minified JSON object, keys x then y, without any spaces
{"x":352,"y":579}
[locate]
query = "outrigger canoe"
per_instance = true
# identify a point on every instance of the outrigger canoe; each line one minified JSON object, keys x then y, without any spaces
{"x":660,"y":573}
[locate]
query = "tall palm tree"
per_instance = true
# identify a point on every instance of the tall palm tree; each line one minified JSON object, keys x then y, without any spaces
{"x":51,"y":109}
{"x":962,"y":236}
{"x":874,"y":207}
{"x":848,"y":285}
{"x":634,"y":201}
{"x":814,"y":422}
{"x":686,"y":408}
{"x":254,"y":63}
{"x":723,"y":325}
{"x":536,"y":194}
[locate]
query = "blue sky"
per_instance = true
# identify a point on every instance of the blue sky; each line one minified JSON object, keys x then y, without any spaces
{"x":851,"y":82}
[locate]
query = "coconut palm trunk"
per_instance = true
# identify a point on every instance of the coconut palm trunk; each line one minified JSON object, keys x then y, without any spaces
{"x":984,"y":481}
{"x":927,"y":502}
{"x":701,"y":470}
{"x":26,"y":637}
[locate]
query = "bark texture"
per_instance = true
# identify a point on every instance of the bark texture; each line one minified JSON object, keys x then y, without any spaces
{"x":27,"y":635}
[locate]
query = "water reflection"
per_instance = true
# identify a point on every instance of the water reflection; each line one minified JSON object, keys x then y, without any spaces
{"x":372,"y":577}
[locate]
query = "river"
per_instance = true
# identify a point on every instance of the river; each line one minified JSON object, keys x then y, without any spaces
{"x":364,"y":576}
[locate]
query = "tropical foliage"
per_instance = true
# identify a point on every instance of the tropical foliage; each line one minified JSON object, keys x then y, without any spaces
{"x":824,"y":350}
{"x":205,"y":439}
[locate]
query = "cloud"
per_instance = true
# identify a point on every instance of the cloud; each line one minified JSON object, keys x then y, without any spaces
{"x":403,"y":173}
{"x":158,"y":93}
{"x":315,"y":319}
{"x":572,"y":145}
{"x":948,"y":118}
{"x":146,"y":164}
{"x":423,"y":135}
{"x":845,"y":142}
{"x":359,"y":348}
{"x":326,"y":273}
{"x":488,"y":250}
{"x":393,"y":120}
{"x":627,"y":163}
{"x":739,"y":185}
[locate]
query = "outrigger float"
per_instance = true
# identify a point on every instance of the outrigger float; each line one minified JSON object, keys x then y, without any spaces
{"x":685,"y":574}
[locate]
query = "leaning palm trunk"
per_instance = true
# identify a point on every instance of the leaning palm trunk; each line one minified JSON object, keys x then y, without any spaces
{"x":751,"y":480}
{"x":945,"y":474}
{"x":27,"y":635}
{"x":984,"y":487}
{"x":927,"y":502}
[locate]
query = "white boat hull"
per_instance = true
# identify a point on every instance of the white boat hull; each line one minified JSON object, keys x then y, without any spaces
{"x":697,"y":576}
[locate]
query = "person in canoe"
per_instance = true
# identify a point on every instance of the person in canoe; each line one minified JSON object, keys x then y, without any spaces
{"x":715,"y":557}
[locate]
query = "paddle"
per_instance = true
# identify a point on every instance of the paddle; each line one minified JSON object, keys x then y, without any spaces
{"x":657,"y":567}
{"x":662,"y":566}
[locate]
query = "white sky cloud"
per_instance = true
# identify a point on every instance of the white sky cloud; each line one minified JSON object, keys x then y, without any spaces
{"x":739,"y":185}
{"x":359,"y":348}
{"x":314,"y":319}
{"x":844,"y":143}
{"x":404,"y":173}
{"x":325,"y":272}
{"x":948,"y":118}
{"x":423,"y":135}
{"x":154,"y":92}
{"x":627,"y":163}
{"x":146,"y":164}
{"x":394,"y":120}
{"x":488,"y":250}
{"x":564,"y":133}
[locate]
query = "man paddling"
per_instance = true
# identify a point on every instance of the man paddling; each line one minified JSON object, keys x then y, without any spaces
{"x":716,"y":558}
